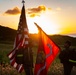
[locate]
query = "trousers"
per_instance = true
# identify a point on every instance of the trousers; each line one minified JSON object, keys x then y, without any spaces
{"x":67,"y":68}
{"x":28,"y":70}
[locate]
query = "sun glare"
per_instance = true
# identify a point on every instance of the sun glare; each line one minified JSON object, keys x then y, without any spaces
{"x":32,"y":28}
{"x":47,"y":26}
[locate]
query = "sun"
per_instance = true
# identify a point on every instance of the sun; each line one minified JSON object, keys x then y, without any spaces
{"x":46,"y":24}
{"x":32,"y":28}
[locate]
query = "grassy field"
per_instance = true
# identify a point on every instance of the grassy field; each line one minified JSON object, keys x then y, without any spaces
{"x":6,"y":69}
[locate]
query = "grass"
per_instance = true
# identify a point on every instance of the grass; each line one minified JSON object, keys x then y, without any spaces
{"x":4,"y":50}
{"x":6,"y":69}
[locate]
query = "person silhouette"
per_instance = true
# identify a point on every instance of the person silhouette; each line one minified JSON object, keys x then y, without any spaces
{"x":64,"y":58}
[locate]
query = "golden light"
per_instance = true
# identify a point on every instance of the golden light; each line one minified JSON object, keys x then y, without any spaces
{"x":45,"y":23}
{"x":32,"y":28}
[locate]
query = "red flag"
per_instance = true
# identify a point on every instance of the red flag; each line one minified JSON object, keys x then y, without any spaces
{"x":21,"y":40}
{"x":47,"y":51}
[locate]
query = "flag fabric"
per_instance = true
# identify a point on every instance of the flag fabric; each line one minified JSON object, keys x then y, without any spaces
{"x":21,"y":40}
{"x":47,"y":51}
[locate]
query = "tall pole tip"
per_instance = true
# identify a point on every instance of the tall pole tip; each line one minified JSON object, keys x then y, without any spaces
{"x":23,"y":2}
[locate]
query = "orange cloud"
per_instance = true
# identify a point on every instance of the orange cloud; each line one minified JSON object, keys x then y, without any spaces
{"x":36,"y":11}
{"x":13,"y":11}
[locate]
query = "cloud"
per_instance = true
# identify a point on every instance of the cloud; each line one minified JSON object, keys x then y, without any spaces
{"x":13,"y":11}
{"x":32,"y":12}
{"x":37,"y":11}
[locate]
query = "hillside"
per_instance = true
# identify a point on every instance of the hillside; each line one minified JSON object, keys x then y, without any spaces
{"x":58,"y":39}
{"x":8,"y":34}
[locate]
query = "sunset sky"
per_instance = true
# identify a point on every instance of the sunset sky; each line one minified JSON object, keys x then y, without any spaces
{"x":53,"y":16}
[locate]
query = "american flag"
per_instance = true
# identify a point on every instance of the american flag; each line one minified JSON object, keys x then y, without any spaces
{"x":21,"y":40}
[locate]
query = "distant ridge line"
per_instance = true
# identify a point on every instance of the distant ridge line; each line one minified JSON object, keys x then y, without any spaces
{"x":8,"y":34}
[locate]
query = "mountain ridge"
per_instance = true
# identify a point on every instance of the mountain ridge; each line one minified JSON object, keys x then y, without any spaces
{"x":9,"y":34}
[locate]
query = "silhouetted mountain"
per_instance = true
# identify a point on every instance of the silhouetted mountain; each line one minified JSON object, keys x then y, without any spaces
{"x":60,"y":39}
{"x":8,"y":34}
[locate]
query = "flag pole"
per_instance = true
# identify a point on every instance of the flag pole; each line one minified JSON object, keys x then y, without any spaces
{"x":23,"y":2}
{"x":30,"y":55}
